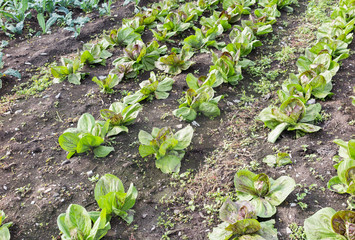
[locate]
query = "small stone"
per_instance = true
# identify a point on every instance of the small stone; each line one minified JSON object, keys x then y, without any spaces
{"x":58,"y":95}
{"x":229,"y":103}
{"x":65,"y":162}
{"x":17,"y":129}
{"x":89,"y":173}
{"x":297,"y":175}
{"x":293,"y":204}
{"x":311,"y":101}
{"x":195,"y":124}
{"x":179,"y":126}
{"x":48,"y":190}
{"x":46,"y":96}
{"x":28,"y":63}
{"x":144,"y":215}
{"x":153,"y":228}
{"x":236,"y":101}
{"x":18,"y":111}
{"x":43,"y":54}
{"x":33,"y":202}
{"x":56,"y":194}
{"x":4,"y":187}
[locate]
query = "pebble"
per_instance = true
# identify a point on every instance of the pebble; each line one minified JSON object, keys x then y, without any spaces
{"x":46,"y":96}
{"x":144,"y":215}
{"x":33,"y":202}
{"x":28,"y":63}
{"x":311,"y":101}
{"x":17,"y":129}
{"x":65,"y":162}
{"x":236,"y":101}
{"x":43,"y":54}
{"x":179,"y":126}
{"x":195,"y":124}
{"x":153,"y":228}
{"x":18,"y":111}
{"x":293,"y":204}
{"x":89,"y":173}
{"x":229,"y":103}
{"x":48,"y":190}
{"x":58,"y":95}
{"x":4,"y":187}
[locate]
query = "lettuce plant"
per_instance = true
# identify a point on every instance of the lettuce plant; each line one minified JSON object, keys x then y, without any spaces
{"x":110,"y":196}
{"x":269,"y":11}
{"x":4,"y":227}
{"x":76,"y":223}
{"x":260,"y":26}
{"x":140,"y":56}
{"x":174,"y":23}
{"x":120,"y":115}
{"x":175,"y":63}
{"x":189,"y":12}
{"x":94,"y":54}
{"x":121,"y":37}
{"x":199,"y":98}
{"x":263,"y":192}
{"x":236,"y":9}
{"x":166,"y":146}
{"x":330,"y":224}
{"x":108,"y":83}
{"x":89,"y":134}
{"x":337,"y":29}
{"x":227,"y":68}
{"x":207,"y":4}
{"x":239,"y":222}
{"x":201,"y":40}
{"x":163,"y":36}
{"x":153,"y":87}
{"x":242,"y":40}
{"x":344,"y":181}
{"x":69,"y":70}
{"x":292,"y":115}
{"x":217,"y":18}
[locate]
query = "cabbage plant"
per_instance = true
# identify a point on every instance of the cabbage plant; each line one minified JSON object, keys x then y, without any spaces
{"x":111,"y":197}
{"x":263,"y":192}
{"x":4,"y":227}
{"x":167,"y":147}
{"x":88,"y":135}
{"x":78,"y":224}
{"x":292,"y":115}
{"x":69,"y":70}
{"x":239,"y":222}
{"x":120,"y":115}
{"x":153,"y":87}
{"x":330,"y":224}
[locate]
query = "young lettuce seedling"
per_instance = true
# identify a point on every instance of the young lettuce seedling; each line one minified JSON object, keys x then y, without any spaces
{"x":111,"y":197}
{"x":227,"y":67}
{"x":140,"y":56}
{"x":202,"y":40}
{"x":120,"y":37}
{"x":330,"y":224}
{"x":291,"y":115}
{"x":175,"y":63}
{"x":77,"y":223}
{"x":120,"y":115}
{"x":151,"y":88}
{"x":88,"y":135}
{"x":166,"y":146}
{"x":108,"y":83}
{"x":239,"y":222}
{"x":94,"y":54}
{"x":344,"y":182}
{"x":4,"y":228}
{"x":69,"y":71}
{"x":263,"y":192}
{"x":199,"y":98}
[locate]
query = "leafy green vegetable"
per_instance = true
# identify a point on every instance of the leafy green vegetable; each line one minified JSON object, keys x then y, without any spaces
{"x":77,"y":223}
{"x":174,"y":23}
{"x":120,"y":115}
{"x":166,"y":146}
{"x":201,"y":39}
{"x":260,"y":26}
{"x":239,"y":222}
{"x":111,"y":197}
{"x":199,"y":98}
{"x":94,"y":54}
{"x":189,"y":12}
{"x":264,"y":192}
{"x":217,"y":18}
{"x":69,"y":70}
{"x":121,"y":37}
{"x":164,"y":35}
{"x":153,"y":87}
{"x":88,"y":135}
{"x":4,"y":227}
{"x":227,"y":68}
{"x":175,"y":63}
{"x":108,"y":83}
{"x":242,"y":40}
{"x":329,"y":224}
{"x":140,"y":56}
{"x":291,"y":115}
{"x":278,"y":160}
{"x":236,"y":9}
